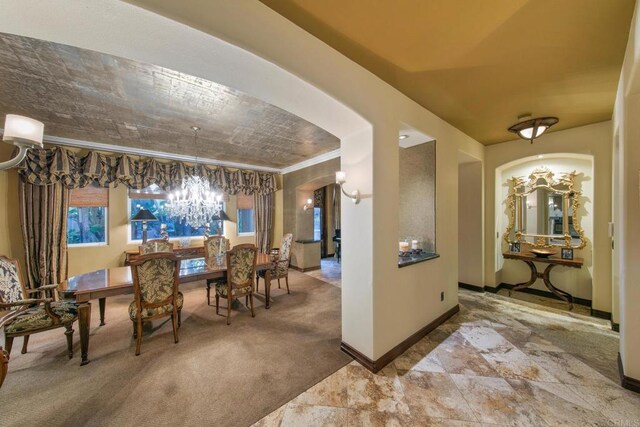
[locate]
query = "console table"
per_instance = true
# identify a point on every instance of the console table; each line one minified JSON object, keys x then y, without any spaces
{"x":552,"y":261}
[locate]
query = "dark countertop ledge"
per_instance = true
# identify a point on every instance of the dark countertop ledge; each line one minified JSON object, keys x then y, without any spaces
{"x":307,"y":241}
{"x":415,"y":259}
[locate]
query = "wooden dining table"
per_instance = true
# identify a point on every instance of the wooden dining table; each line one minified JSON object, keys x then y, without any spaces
{"x":109,"y":282}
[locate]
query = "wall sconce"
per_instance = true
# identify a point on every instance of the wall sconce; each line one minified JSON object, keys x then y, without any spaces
{"x":24,"y":133}
{"x":341,"y":178}
{"x":308,"y":205}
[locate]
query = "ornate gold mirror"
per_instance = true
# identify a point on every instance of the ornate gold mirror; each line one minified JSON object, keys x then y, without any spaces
{"x":543,"y":211}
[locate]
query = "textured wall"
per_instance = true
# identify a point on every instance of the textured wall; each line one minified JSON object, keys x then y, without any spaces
{"x":11,"y":243}
{"x":417,"y":192}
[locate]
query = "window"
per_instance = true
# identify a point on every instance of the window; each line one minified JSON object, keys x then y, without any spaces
{"x":317,"y":223}
{"x":246,"y":225}
{"x":153,"y":198}
{"x":87,"y":216}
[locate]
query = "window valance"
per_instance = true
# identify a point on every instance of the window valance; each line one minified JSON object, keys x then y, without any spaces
{"x":74,"y":170}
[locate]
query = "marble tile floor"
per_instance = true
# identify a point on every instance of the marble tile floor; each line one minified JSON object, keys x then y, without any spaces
{"x":496,"y":362}
{"x":330,"y":271}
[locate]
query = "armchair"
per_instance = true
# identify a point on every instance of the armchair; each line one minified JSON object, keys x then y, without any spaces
{"x":26,"y":316}
{"x":214,"y":246}
{"x":280,"y":269}
{"x":155,"y":287}
{"x":241,"y":268}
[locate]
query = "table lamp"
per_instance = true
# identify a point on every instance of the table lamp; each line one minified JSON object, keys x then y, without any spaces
{"x":144,"y":216}
{"x":222,"y":216}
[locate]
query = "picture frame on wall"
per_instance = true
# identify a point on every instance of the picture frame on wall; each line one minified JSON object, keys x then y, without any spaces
{"x":566,"y":253}
{"x":514,"y":247}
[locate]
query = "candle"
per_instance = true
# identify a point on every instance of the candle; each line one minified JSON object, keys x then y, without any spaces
{"x":414,"y":244}
{"x":404,"y":246}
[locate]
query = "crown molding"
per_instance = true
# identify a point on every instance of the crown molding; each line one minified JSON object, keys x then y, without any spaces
{"x":312,"y":161}
{"x":56,"y":140}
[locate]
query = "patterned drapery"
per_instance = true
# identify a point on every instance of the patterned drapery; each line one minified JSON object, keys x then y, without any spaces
{"x":43,"y":216}
{"x":263,"y":210}
{"x":318,"y":198}
{"x":73,"y":170}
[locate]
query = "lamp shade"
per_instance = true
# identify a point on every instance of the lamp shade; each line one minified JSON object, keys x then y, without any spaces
{"x":221,"y":217}
{"x":144,"y":215}
{"x":21,"y":130}
{"x":533,"y":128}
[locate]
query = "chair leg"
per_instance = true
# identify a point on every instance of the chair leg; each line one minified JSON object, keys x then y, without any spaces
{"x":246,"y":301}
{"x":208,"y":294}
{"x":135,"y":332}
{"x":229,"y":301}
{"x":217,"y":304}
{"x":138,"y":335}
{"x":175,"y":326}
{"x":69,"y":334}
{"x":286,"y":279}
{"x":180,"y":317}
{"x":279,"y":283}
{"x":8,"y":342}
{"x":251,"y":299}
{"x":25,"y":342}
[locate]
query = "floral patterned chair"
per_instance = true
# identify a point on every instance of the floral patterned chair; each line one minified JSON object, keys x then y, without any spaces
{"x":214,"y":246}
{"x":241,"y":269}
{"x":156,"y":245}
{"x":281,"y":267}
{"x":26,"y":316}
{"x":155,"y":287}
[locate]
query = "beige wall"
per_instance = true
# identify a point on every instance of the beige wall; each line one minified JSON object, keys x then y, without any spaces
{"x":470,"y":243}
{"x":626,"y":130}
{"x":593,"y":140}
{"x":11,"y":242}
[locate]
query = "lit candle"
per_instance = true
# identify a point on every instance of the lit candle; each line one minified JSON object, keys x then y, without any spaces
{"x":404,"y":246}
{"x":414,"y":244}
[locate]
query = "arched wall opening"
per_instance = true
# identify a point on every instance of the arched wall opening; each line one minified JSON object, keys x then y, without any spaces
{"x":578,"y":282}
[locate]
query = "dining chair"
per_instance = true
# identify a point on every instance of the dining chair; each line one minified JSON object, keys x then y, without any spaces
{"x":156,"y":245}
{"x":214,"y":246}
{"x":4,"y":365}
{"x":280,"y":270}
{"x":155,"y":288}
{"x":25,"y":315}
{"x":241,"y":269}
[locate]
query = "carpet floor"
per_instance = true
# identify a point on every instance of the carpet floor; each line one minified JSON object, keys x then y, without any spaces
{"x":216,"y":375}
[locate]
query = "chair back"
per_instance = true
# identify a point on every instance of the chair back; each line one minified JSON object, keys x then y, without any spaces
{"x":12,"y":287}
{"x":214,"y":246}
{"x":155,"y":279}
{"x":285,"y":247}
{"x":241,"y":265}
{"x":156,"y":245}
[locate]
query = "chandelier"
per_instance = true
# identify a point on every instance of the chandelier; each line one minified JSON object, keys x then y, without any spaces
{"x":195,"y":202}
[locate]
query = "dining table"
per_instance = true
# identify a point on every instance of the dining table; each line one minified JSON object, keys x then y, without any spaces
{"x":109,"y":282}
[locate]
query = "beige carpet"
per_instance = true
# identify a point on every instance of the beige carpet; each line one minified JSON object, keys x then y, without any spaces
{"x":216,"y":375}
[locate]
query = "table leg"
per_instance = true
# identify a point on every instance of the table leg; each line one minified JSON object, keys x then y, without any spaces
{"x":532,"y":279}
{"x":84,"y":318}
{"x":267,"y":289}
{"x":102,"y":302}
{"x":565,"y":296}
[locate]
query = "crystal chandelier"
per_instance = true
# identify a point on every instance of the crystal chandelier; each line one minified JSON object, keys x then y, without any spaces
{"x":195,"y":202}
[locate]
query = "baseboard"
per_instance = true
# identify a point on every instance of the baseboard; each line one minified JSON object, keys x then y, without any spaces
{"x":376,"y":365}
{"x":548,"y":294}
{"x":615,"y":326}
{"x":470,"y":287}
{"x":627,"y":382}
{"x":304,"y":270}
{"x":601,"y":314}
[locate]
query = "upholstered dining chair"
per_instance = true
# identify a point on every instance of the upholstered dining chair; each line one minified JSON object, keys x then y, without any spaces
{"x":155,"y":288}
{"x":241,"y":269}
{"x":280,"y":269}
{"x":4,"y":365}
{"x":156,"y":245}
{"x":26,"y":315}
{"x":214,"y":246}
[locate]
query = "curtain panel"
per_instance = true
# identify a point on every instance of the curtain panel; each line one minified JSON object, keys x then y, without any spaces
{"x":73,"y":170}
{"x":263,"y":211}
{"x":43,"y":217}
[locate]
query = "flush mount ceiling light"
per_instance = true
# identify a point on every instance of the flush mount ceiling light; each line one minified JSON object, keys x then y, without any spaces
{"x":403,"y":137}
{"x":531,"y":129}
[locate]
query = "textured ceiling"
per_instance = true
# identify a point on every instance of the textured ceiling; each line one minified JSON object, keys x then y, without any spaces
{"x":479,"y":64}
{"x":91,"y":96}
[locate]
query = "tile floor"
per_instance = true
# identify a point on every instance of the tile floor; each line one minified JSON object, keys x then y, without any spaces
{"x":497,"y":362}
{"x":330,"y":271}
